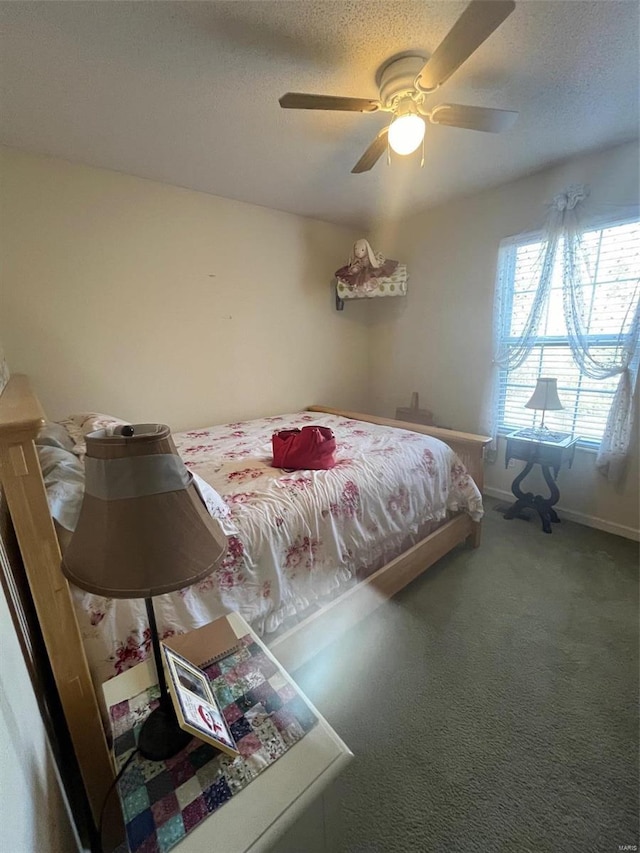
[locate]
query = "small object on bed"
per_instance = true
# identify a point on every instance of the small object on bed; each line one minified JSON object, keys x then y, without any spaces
{"x":311,"y":448}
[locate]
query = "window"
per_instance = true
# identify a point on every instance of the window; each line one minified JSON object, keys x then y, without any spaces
{"x":610,"y":299}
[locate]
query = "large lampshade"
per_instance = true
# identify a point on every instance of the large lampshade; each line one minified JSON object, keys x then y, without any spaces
{"x":143,"y":528}
{"x":545,"y":396}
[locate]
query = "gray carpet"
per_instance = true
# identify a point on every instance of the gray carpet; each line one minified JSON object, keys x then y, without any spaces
{"x":492,"y":705}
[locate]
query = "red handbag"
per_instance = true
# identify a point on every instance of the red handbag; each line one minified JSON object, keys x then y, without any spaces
{"x":308,"y":449}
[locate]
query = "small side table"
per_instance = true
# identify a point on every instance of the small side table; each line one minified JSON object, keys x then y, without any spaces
{"x":552,"y":451}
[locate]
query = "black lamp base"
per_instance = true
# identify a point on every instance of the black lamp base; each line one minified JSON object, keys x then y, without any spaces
{"x":161,"y":737}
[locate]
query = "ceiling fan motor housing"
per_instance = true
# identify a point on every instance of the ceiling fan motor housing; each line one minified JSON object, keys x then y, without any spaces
{"x":397,"y":78}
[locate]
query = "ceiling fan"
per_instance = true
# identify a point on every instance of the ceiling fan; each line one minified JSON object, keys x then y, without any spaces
{"x":405,"y":81}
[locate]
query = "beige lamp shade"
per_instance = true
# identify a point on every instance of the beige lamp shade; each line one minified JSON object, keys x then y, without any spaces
{"x":545,"y":396}
{"x":143,"y":528}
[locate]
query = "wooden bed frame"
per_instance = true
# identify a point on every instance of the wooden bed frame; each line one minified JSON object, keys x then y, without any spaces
{"x":21,"y":417}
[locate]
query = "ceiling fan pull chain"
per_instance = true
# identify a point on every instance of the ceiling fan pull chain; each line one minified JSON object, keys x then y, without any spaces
{"x":422,"y":158}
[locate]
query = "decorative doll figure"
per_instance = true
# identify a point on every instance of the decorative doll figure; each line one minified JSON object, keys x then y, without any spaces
{"x":364,"y":268}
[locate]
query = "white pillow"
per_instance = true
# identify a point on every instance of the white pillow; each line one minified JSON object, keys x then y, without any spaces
{"x":81,"y":424}
{"x":55,"y":435}
{"x":63,"y":475}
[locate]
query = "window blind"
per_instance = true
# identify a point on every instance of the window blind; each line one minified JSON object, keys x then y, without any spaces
{"x":612,"y":272}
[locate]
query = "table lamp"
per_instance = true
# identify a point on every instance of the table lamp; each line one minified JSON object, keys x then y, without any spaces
{"x":545,"y":397}
{"x":143,"y":530}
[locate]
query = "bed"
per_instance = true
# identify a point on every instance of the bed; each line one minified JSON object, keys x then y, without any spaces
{"x":314,"y":582}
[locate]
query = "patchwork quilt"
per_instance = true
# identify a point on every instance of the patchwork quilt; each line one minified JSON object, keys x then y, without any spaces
{"x":163,"y":800}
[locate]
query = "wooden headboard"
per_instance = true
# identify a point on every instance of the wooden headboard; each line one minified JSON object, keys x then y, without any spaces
{"x":21,"y":417}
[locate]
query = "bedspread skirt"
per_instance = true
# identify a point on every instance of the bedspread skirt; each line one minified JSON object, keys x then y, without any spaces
{"x":296,"y":539}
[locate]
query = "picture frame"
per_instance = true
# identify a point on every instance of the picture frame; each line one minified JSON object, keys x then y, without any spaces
{"x":195,"y":704}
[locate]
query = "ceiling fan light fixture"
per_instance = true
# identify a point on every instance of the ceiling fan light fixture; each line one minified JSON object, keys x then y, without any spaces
{"x":406,"y":133}
{"x":406,"y":78}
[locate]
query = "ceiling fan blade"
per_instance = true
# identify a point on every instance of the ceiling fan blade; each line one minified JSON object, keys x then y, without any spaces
{"x":372,"y":154}
{"x":473,"y":118}
{"x":302,"y":101}
{"x":477,"y":22}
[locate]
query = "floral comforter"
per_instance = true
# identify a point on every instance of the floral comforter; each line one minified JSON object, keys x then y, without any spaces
{"x":293,"y":537}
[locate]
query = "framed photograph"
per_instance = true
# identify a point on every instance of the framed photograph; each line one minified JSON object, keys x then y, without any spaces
{"x":196,"y":707}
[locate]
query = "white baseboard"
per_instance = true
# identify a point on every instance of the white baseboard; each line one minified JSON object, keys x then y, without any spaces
{"x":578,"y":517}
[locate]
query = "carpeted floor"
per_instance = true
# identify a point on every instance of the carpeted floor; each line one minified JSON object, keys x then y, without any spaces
{"x":492,"y":705}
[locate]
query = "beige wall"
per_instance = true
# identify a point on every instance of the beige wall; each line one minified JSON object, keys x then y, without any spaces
{"x":162,"y":304}
{"x":157,"y":303}
{"x":438,"y":340}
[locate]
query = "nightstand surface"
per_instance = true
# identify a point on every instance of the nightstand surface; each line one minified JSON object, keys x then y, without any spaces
{"x":254,"y":820}
{"x":553,"y":454}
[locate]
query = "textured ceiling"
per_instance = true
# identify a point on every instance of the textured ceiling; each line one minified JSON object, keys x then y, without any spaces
{"x":187,"y":93}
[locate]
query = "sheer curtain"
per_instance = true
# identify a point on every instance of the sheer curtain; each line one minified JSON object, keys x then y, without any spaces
{"x":614,"y":448}
{"x":563,"y":243}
